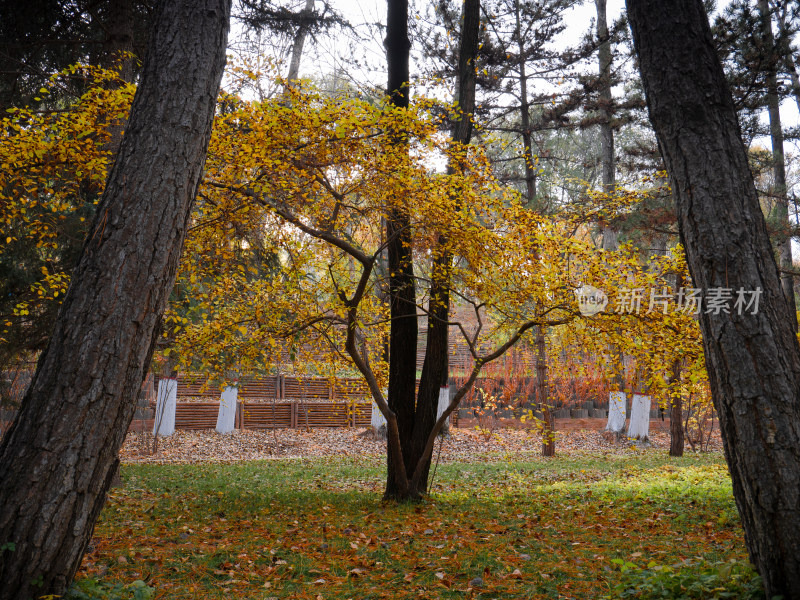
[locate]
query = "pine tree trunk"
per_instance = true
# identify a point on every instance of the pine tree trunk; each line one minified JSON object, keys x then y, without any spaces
{"x":297,"y":46}
{"x":604,"y":62}
{"x":524,"y":112}
{"x":781,"y":210}
{"x":59,"y":457}
{"x":753,"y":358}
{"x":435,"y":368}
{"x":403,"y":331}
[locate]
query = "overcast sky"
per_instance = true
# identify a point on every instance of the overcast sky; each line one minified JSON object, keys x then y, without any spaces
{"x":337,"y":54}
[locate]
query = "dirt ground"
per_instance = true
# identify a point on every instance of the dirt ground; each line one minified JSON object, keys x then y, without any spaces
{"x":656,"y":425}
{"x":469,"y":442}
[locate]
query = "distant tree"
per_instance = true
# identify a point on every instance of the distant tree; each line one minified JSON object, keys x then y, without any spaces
{"x":55,"y":165}
{"x":42,"y":37}
{"x":38,"y":41}
{"x":282,"y":31}
{"x":781,"y":200}
{"x":755,"y":59}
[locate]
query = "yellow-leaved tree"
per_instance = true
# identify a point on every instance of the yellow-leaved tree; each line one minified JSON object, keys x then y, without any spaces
{"x":287,"y":253}
{"x":286,"y":259}
{"x":53,"y":166}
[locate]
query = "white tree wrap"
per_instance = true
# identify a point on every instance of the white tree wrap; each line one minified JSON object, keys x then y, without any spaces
{"x":616,"y":412}
{"x":444,"y":402}
{"x":226,"y":418}
{"x":164,"y":424}
{"x":377,"y":420}
{"x":639,"y":426}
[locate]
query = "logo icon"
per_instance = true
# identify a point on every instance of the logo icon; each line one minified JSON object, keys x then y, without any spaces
{"x":591,"y":300}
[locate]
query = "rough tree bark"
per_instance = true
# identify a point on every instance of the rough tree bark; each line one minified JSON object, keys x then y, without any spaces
{"x":753,"y":358}
{"x":57,"y":460}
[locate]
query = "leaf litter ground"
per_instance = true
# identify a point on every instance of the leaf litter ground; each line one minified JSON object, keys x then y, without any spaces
{"x":504,"y":526}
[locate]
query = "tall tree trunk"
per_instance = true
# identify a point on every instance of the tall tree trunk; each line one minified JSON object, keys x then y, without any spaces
{"x":549,"y":430}
{"x":118,"y":45}
{"x":403,"y":301}
{"x":753,"y":358}
{"x":781,"y":210}
{"x":606,"y":130}
{"x":607,"y":162}
{"x":524,"y":112}
{"x":676,"y":442}
{"x":297,"y":45}
{"x":435,"y":369}
{"x":785,"y":54}
{"x":57,"y":460}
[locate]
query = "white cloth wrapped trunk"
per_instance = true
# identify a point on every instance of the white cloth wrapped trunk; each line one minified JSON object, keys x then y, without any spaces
{"x":164,"y":424}
{"x":377,"y":420}
{"x":444,"y":402}
{"x":639,"y":426}
{"x":226,"y":418}
{"x":616,"y":412}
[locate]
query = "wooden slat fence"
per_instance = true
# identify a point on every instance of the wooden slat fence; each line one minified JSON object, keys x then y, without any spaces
{"x":334,"y":414}
{"x":275,"y":402}
{"x":275,"y":415}
{"x":196,"y":415}
{"x":279,"y":387}
{"x":267,"y":415}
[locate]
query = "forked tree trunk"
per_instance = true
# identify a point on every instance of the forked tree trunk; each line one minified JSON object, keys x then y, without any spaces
{"x":57,"y":460}
{"x":435,"y":368}
{"x":753,"y":358}
{"x":417,"y":413}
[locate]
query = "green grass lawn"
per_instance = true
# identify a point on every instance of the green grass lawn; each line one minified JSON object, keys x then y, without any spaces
{"x":544,"y":528}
